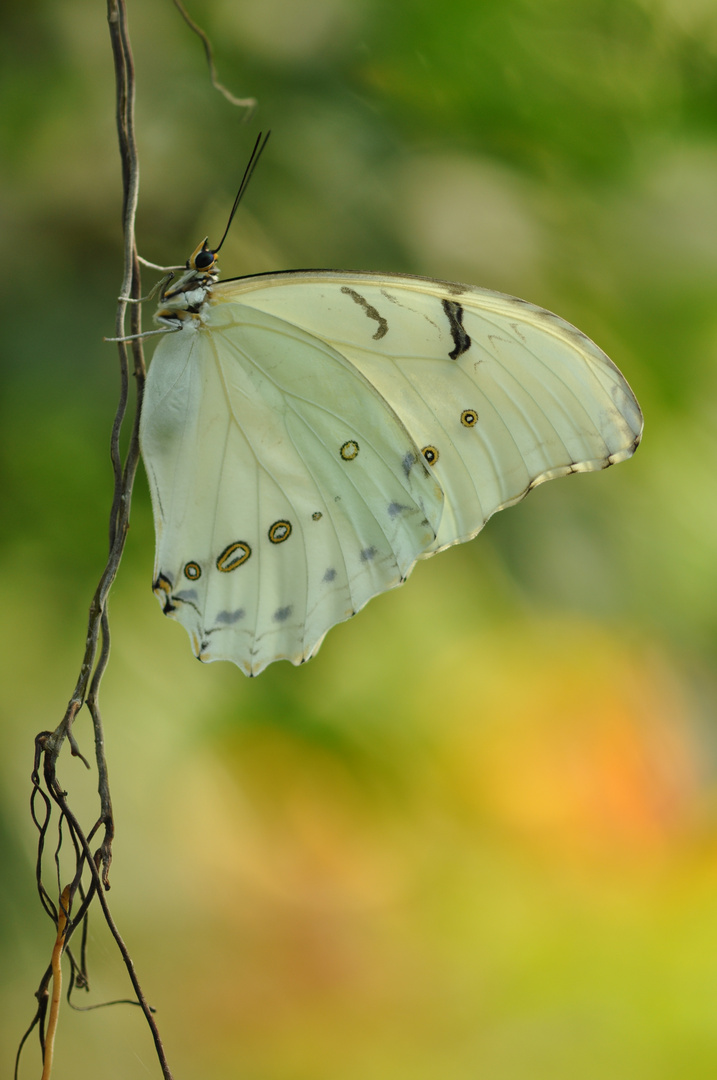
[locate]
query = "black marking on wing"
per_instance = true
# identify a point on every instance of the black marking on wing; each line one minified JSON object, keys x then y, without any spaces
{"x":461,"y":340}
{"x":369,"y":309}
{"x":187,"y":596}
{"x":407,"y":307}
{"x":391,"y":298}
{"x":163,"y":585}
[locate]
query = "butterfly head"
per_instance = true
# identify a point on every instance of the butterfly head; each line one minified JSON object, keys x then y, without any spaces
{"x":182,"y":302}
{"x":204,"y":260}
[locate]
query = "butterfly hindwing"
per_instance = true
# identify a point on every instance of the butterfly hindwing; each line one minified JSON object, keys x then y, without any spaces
{"x":286,"y":490}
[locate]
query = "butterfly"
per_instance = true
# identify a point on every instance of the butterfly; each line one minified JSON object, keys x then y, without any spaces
{"x":308,"y":435}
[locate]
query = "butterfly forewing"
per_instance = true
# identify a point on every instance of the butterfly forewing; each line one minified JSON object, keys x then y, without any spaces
{"x":504,"y":394}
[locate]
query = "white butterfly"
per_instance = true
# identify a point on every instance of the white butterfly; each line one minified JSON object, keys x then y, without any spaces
{"x":309,"y":435}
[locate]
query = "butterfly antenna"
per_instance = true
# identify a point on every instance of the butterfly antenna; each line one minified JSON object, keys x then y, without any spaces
{"x":253,"y":160}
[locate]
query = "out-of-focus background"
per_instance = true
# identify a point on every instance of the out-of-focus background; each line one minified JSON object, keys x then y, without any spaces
{"x":477,"y":835}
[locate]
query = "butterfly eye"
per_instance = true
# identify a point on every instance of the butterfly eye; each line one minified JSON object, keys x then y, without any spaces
{"x":430,"y":454}
{"x":469,"y":417}
{"x":193,"y":571}
{"x":279,"y":531}
{"x":204,"y":259}
{"x":349,"y":450}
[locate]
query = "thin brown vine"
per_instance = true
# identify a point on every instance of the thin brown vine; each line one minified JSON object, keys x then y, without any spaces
{"x":48,"y":801}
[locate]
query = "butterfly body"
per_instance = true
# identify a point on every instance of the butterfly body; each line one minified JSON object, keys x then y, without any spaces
{"x":309,"y":435}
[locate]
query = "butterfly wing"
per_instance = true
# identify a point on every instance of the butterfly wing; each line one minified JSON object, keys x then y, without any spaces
{"x":322,"y":430}
{"x":502,"y":394}
{"x":286,"y":491}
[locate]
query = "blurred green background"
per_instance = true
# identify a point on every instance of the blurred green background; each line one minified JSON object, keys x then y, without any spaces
{"x":477,"y":835}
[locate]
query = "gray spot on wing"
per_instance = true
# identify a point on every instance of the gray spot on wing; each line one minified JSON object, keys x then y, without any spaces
{"x":461,"y":340}
{"x":369,"y":309}
{"x":394,"y":509}
{"x":187,"y":595}
{"x":329,"y":575}
{"x":229,"y":617}
{"x":368,"y":554}
{"x":409,"y":460}
{"x":282,"y":614}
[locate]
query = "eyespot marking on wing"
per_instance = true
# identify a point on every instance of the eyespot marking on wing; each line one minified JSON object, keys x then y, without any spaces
{"x":317,"y":515}
{"x":280,"y":531}
{"x":461,"y":340}
{"x":430,"y":454}
{"x":469,"y":417}
{"x":233,"y":555}
{"x":349,"y":450}
{"x":370,"y":311}
{"x":193,"y":571}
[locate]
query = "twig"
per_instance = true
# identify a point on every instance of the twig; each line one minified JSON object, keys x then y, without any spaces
{"x":56,"y":982}
{"x":242,"y":103}
{"x":46,"y":789}
{"x":97,"y":644}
